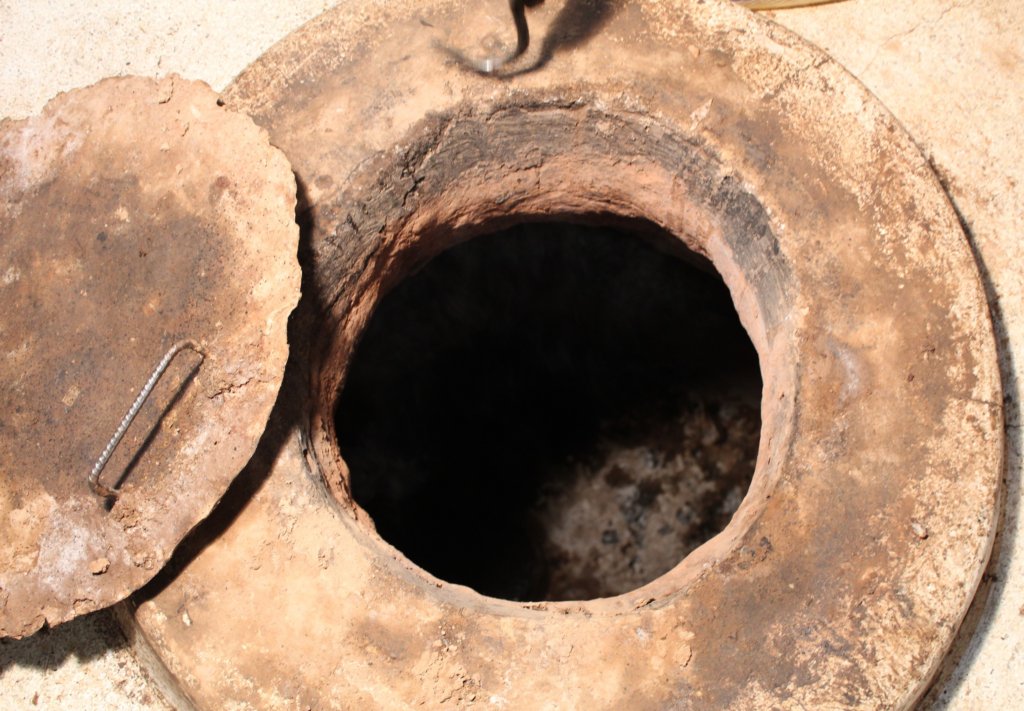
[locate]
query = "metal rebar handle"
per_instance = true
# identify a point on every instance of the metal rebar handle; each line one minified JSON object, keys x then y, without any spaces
{"x":94,"y":477}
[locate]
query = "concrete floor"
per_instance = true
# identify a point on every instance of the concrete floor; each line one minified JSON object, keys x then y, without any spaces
{"x":950,"y":70}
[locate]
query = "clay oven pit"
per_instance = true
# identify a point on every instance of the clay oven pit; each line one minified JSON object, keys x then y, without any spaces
{"x":638,"y":377}
{"x":552,"y":412}
{"x":530,"y":308}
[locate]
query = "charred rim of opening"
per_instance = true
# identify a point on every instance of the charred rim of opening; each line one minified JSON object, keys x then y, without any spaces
{"x":465,"y":176}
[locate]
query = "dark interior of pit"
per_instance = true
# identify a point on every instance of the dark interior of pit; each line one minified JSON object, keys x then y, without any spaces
{"x":553,"y":412}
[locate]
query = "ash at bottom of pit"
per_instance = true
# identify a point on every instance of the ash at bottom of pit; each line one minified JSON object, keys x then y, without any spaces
{"x":646,"y":495}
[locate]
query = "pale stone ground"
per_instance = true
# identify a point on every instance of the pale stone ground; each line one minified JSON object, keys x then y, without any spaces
{"x":951,"y":70}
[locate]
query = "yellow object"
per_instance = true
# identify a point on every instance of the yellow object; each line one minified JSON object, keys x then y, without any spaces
{"x":779,"y":4}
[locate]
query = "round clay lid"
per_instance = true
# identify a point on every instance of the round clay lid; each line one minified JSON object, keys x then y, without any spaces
{"x":137,"y":216}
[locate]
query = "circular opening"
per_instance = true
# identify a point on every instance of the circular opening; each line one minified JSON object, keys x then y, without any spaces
{"x":552,"y":412}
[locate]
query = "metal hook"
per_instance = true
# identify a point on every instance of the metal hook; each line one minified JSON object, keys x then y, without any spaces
{"x":94,"y":477}
{"x":492,"y":64}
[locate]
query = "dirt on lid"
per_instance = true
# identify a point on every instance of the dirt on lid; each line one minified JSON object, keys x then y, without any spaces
{"x":135,"y":214}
